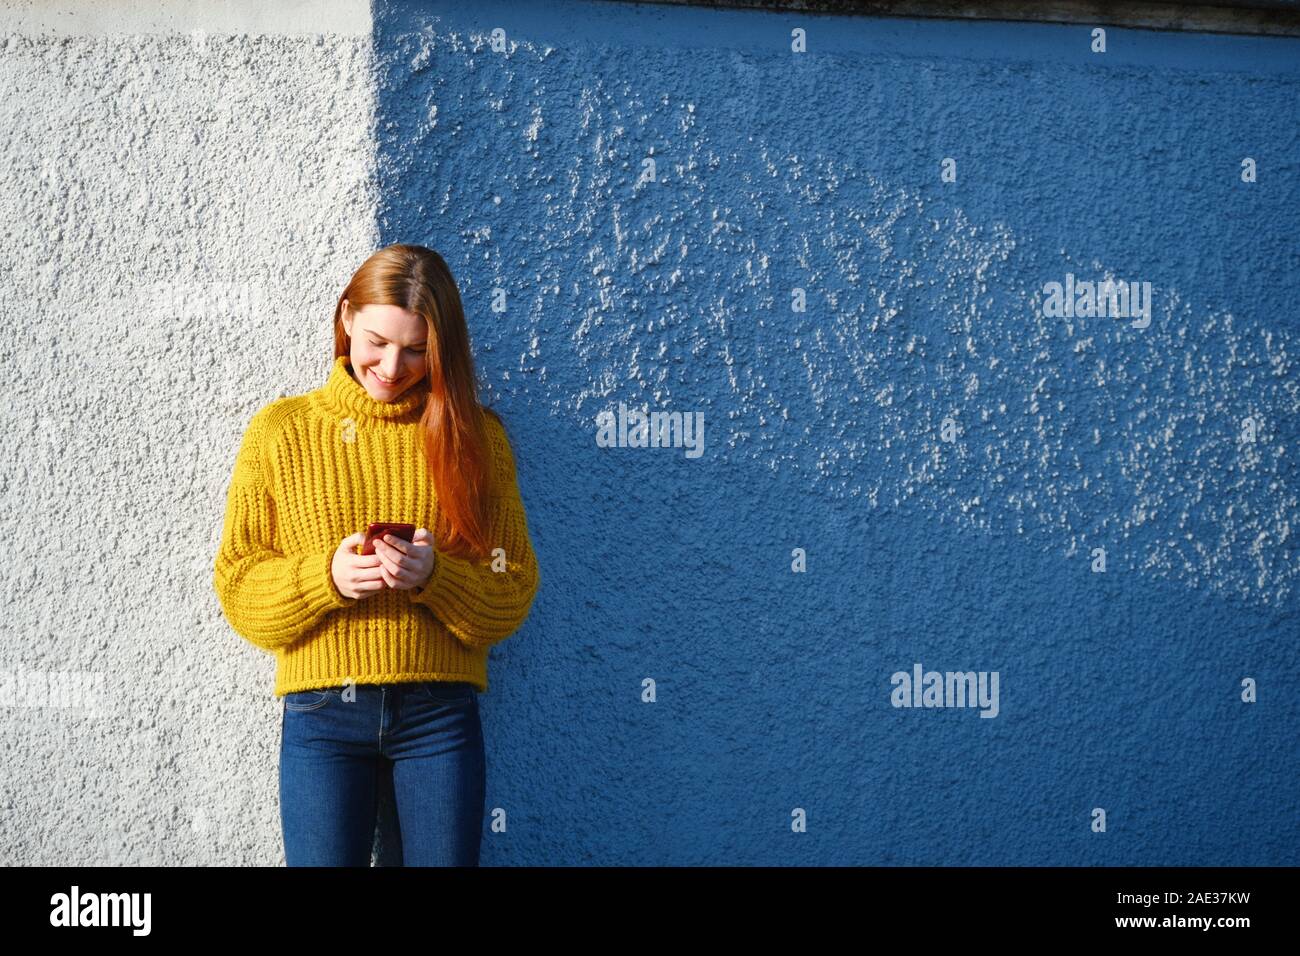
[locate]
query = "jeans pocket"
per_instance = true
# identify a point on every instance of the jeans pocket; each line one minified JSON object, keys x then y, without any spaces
{"x":306,"y":699}
{"x":446,"y":692}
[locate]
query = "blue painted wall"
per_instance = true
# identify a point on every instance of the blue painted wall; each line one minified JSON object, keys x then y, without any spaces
{"x":1119,"y":690}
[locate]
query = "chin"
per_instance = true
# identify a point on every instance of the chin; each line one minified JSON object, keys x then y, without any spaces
{"x":379,"y":385}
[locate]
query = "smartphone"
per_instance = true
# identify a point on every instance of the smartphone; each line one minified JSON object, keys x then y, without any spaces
{"x":378,"y":529}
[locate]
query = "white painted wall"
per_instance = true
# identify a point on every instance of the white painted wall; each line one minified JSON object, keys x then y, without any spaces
{"x":185,"y":188}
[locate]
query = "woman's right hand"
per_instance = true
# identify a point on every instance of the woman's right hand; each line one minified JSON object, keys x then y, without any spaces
{"x":356,"y":575}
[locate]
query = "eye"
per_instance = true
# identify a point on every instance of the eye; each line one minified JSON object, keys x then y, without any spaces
{"x":382,"y":344}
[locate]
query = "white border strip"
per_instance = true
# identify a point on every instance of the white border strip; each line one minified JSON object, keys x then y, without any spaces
{"x":102,"y":17}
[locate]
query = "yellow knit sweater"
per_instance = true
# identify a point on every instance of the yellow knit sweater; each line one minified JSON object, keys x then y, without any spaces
{"x":313,"y":469}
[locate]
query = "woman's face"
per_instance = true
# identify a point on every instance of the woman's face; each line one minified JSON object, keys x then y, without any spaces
{"x":388,"y":346}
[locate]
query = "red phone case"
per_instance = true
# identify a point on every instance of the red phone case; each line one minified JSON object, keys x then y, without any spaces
{"x":378,"y":529}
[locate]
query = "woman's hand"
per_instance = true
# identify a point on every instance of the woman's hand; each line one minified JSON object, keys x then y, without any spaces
{"x":406,"y":564}
{"x":356,"y":575}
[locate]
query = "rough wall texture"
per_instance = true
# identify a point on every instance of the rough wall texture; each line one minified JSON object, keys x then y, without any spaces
{"x":179,"y":208}
{"x":773,"y":172}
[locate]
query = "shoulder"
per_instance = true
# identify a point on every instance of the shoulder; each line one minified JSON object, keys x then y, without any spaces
{"x":269,"y":423}
{"x":498,"y":440}
{"x":492,"y":421}
{"x":494,"y":429}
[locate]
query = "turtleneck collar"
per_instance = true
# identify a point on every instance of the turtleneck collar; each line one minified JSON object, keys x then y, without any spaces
{"x":346,"y":397}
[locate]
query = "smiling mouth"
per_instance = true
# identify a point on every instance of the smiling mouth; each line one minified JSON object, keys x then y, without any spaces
{"x":383,"y":381}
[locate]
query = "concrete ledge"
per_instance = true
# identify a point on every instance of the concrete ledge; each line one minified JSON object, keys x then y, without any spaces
{"x":1255,"y":17}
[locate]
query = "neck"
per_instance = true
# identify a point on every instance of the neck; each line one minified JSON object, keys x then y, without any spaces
{"x":345,"y":397}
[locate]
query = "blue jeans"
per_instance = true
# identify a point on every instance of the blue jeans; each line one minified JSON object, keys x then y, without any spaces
{"x":332,"y":751}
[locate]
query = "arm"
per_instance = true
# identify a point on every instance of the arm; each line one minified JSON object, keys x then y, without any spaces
{"x":480,"y":606}
{"x":270,"y":599}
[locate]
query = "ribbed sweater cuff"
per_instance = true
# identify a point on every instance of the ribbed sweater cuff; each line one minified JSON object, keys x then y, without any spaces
{"x":457,"y":596}
{"x":316,"y":585}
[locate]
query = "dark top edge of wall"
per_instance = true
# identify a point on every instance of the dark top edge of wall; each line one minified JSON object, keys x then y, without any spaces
{"x":1252,"y":17}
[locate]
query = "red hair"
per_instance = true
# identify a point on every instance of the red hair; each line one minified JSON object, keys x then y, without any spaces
{"x":453,"y":428}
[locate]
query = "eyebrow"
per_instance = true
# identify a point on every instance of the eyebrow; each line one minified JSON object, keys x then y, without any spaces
{"x":423,"y":344}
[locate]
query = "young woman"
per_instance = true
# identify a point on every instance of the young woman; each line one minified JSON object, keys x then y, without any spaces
{"x":380,"y":658}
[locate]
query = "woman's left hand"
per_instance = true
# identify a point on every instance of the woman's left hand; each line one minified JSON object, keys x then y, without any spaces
{"x":406,"y":564}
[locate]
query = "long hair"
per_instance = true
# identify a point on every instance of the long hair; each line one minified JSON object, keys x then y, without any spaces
{"x":452,"y":427}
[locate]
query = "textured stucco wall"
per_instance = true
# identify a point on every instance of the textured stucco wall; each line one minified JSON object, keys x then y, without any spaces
{"x":774,"y":171}
{"x":180,"y":202}
{"x":821,"y":171}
